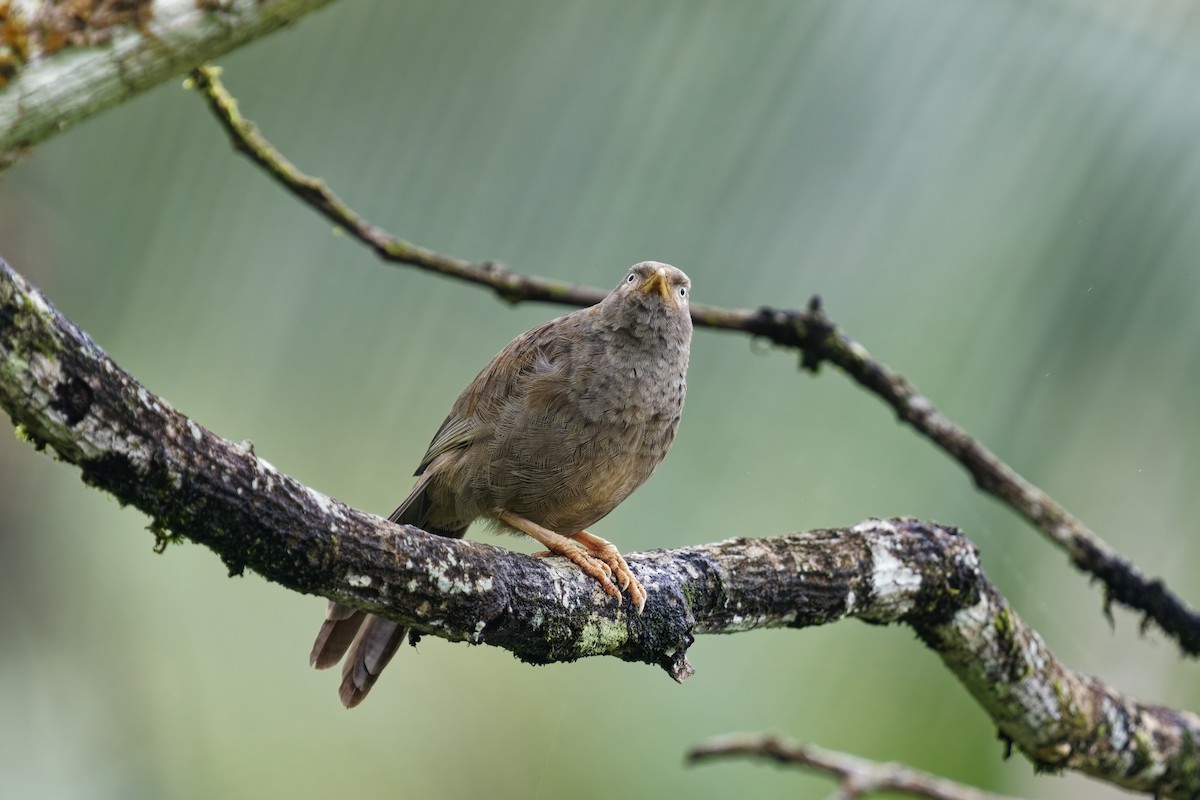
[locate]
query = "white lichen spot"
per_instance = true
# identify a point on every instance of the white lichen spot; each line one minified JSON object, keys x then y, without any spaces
{"x":459,"y":584}
{"x":412,"y":586}
{"x":39,"y":302}
{"x":973,"y":619}
{"x":893,"y":581}
{"x":254,"y":484}
{"x":920,"y":405}
{"x":267,"y":467}
{"x":329,"y":507}
{"x":874,"y":526}
{"x":194,"y":429}
{"x":1040,"y":700}
{"x":1037,"y":654}
{"x":479,"y":626}
{"x":358,"y":581}
{"x":1118,"y":729}
{"x":739,"y":622}
{"x":850,"y":598}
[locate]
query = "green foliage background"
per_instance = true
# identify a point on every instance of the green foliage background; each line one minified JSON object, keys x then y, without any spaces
{"x":999,"y":199}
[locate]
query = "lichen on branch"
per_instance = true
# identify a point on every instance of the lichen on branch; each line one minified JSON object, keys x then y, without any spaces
{"x":67,"y":396}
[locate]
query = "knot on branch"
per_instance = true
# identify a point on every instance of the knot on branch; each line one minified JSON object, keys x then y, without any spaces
{"x":72,"y":399}
{"x":808,"y":331}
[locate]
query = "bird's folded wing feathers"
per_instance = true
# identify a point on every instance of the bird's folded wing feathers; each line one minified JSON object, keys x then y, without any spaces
{"x":505,"y":376}
{"x":455,"y":432}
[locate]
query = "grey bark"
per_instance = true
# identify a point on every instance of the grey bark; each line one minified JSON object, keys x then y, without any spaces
{"x":53,"y":73}
{"x":63,"y":393}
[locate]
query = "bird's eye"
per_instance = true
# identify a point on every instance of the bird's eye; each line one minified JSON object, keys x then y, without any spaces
{"x":682,"y":292}
{"x":631,"y":278}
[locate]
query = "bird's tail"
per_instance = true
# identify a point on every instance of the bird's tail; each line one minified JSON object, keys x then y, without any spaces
{"x":370,"y":640}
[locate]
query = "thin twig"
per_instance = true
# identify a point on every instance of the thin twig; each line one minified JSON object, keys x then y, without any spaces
{"x":858,"y":776}
{"x":808,"y":331}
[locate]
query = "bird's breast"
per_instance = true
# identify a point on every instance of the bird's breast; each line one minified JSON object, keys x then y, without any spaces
{"x":584,"y":432}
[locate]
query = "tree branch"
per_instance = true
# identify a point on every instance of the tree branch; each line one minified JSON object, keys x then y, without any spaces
{"x":809,"y":331}
{"x":63,"y":392}
{"x":63,"y":62}
{"x":859,"y":777}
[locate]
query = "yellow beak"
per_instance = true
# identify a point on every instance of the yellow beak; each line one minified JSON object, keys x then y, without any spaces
{"x":658,"y":281}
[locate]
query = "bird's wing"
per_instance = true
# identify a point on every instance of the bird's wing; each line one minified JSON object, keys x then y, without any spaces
{"x":455,"y":432}
{"x":507,"y":376}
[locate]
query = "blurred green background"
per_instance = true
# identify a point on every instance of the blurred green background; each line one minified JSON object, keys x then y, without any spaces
{"x":999,"y":199}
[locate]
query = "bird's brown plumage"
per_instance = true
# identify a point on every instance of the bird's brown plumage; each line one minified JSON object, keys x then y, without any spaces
{"x":560,"y":427}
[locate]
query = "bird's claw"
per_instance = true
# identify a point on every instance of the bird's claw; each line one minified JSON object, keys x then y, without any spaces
{"x":606,"y":565}
{"x":619,"y":569}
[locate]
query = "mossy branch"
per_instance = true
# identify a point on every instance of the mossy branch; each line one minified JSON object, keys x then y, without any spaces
{"x":64,"y":394}
{"x":61,"y":63}
{"x":55,"y":71}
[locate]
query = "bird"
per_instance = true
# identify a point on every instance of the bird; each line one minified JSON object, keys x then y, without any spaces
{"x":558,"y":429}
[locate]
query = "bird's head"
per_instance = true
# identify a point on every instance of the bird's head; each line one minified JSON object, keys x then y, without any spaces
{"x":657,"y":286}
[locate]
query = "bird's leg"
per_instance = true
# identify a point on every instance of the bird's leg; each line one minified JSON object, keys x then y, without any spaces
{"x":606,"y":551}
{"x":592,"y":565}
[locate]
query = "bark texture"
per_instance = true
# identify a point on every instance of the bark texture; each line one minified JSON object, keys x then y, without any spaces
{"x":63,"y":393}
{"x":63,"y":62}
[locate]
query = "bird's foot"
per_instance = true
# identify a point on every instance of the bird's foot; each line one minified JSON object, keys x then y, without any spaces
{"x":592,"y":566}
{"x":606,"y":552}
{"x":595,"y":557}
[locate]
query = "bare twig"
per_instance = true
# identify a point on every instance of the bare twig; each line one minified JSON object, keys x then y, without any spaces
{"x":808,"y":331}
{"x":858,"y":777}
{"x":65,"y":394}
